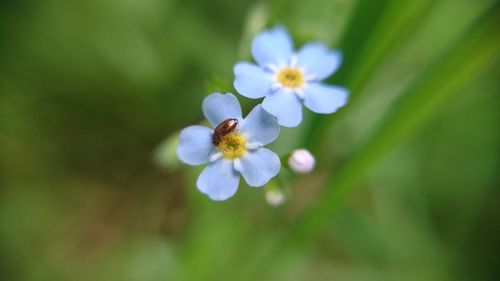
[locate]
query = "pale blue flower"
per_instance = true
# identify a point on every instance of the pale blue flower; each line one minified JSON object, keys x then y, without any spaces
{"x":288,"y":79}
{"x":240,"y":152}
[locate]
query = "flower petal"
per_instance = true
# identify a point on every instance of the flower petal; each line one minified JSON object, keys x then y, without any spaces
{"x":260,"y":127}
{"x":251,"y":81}
{"x":272,"y":47}
{"x":218,"y":107}
{"x":322,"y":98}
{"x":285,"y":105}
{"x":318,"y":61}
{"x":258,"y":166}
{"x":219,"y":180}
{"x":195,"y":144}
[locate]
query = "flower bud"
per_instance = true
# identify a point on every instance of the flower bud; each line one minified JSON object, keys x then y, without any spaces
{"x":275,"y":197}
{"x":301,"y":161}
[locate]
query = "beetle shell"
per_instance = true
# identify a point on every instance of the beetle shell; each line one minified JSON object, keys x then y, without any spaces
{"x":224,"y":128}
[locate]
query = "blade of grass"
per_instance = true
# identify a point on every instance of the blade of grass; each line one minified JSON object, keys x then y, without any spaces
{"x":364,"y":53}
{"x":473,"y":54}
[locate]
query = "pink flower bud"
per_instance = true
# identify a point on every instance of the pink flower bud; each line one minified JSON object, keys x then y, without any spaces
{"x":301,"y":161}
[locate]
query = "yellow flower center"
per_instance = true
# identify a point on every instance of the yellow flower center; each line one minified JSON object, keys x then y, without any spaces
{"x":232,"y":145}
{"x":291,"y":77}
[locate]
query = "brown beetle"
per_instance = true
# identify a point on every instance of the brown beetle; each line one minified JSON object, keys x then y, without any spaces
{"x":224,"y":128}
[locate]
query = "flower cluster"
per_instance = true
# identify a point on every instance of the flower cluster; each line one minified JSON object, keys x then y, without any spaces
{"x":234,"y":146}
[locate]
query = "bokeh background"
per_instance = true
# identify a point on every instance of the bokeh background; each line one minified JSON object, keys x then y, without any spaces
{"x":93,"y":92}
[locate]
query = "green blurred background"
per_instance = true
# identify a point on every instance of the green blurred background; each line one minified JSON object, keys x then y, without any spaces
{"x":408,"y":176}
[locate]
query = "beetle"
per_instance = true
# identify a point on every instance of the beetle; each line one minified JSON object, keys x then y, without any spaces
{"x":224,"y":128}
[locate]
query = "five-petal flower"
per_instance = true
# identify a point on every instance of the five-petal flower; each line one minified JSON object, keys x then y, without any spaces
{"x":240,"y":151}
{"x":286,"y":79}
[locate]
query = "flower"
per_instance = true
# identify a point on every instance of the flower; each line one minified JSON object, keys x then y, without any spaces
{"x":286,"y":79}
{"x":301,"y":161}
{"x":233,"y":148}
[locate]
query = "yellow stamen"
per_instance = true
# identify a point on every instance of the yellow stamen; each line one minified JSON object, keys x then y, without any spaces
{"x":291,"y":77}
{"x":232,"y":145}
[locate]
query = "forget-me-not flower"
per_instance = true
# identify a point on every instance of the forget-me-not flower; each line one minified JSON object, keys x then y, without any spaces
{"x":287,"y":79}
{"x":233,"y":150}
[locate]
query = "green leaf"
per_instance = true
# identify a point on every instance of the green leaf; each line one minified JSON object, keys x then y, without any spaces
{"x":165,"y":154}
